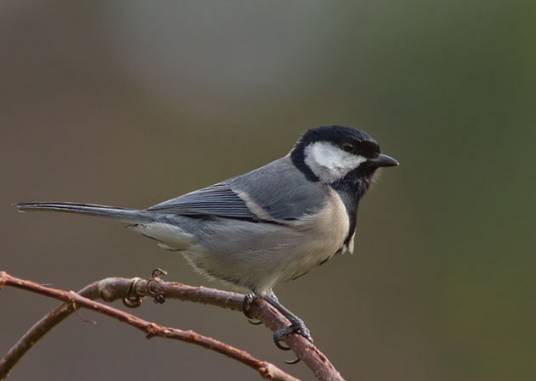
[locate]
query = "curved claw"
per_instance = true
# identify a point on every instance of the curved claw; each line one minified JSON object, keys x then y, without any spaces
{"x":297,"y":327}
{"x":132,"y":300}
{"x":292,"y":362}
{"x":254,"y":321}
{"x":278,"y":336}
{"x":278,"y":340}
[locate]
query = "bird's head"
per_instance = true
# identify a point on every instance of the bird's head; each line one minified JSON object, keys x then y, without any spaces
{"x":338,"y":155}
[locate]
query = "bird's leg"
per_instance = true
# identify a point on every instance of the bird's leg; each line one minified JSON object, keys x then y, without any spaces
{"x":246,"y":304}
{"x":296,"y":325}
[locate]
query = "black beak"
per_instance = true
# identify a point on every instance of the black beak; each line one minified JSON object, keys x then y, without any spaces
{"x":383,"y":160}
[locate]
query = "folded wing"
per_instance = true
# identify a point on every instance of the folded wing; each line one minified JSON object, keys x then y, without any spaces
{"x":278,"y":192}
{"x":216,"y":200}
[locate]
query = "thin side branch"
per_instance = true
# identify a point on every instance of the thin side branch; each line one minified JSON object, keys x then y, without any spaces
{"x":264,"y":368}
{"x":111,"y":289}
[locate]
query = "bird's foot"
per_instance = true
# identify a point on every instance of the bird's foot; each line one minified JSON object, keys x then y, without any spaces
{"x":296,"y":326}
{"x":249,"y":298}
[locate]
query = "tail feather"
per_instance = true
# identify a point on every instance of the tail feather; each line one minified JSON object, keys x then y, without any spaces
{"x":121,"y":214}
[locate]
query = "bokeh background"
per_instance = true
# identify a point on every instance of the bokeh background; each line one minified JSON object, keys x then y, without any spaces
{"x":133,"y":102}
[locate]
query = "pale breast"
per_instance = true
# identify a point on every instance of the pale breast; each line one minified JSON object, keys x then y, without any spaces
{"x":325,"y":233}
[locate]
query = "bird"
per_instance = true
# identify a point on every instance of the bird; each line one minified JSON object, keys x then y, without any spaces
{"x":273,"y":224}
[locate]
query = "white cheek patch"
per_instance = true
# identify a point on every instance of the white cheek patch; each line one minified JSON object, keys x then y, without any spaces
{"x":330,"y":163}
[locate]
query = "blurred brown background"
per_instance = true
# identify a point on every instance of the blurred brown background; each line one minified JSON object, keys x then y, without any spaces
{"x":133,"y":102}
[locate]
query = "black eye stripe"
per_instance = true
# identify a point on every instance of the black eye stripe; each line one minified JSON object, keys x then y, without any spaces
{"x":367,"y":149}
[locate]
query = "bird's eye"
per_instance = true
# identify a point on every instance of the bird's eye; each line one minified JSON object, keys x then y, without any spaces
{"x":348,"y":147}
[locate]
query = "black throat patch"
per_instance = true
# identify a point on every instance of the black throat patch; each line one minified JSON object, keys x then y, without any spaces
{"x":351,"y":189}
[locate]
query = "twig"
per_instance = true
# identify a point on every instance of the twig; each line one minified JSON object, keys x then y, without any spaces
{"x":265,"y":369}
{"x":111,"y":289}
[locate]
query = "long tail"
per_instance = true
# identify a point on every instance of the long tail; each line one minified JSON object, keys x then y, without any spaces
{"x":121,"y":214}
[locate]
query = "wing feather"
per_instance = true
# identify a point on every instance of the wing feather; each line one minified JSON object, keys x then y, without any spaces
{"x":278,"y":190}
{"x":216,"y":200}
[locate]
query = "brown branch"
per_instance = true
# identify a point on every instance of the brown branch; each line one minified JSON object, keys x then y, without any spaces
{"x":111,"y":289}
{"x":264,"y":368}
